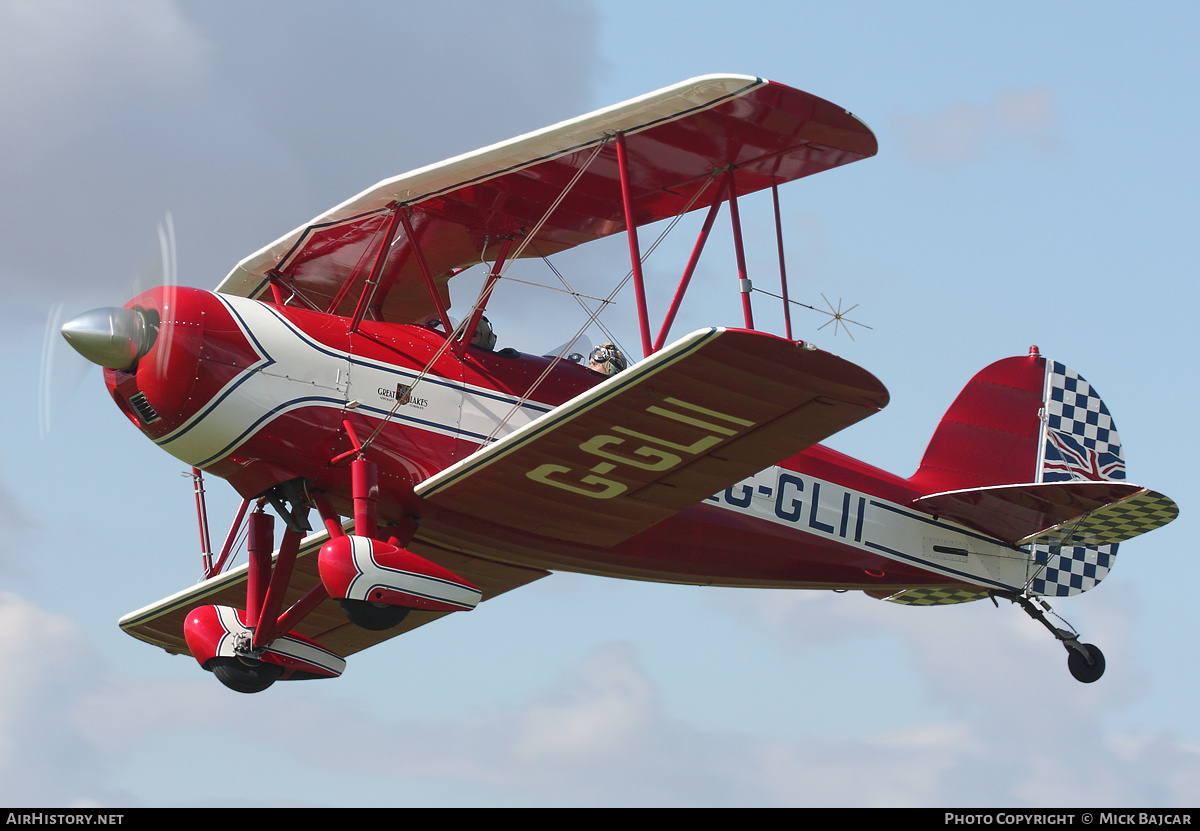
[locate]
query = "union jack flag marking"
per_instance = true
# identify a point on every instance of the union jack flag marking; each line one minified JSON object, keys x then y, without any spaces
{"x":1072,"y":459}
{"x":1081,"y":441}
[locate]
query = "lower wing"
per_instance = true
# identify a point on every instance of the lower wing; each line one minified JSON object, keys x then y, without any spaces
{"x":161,"y":623}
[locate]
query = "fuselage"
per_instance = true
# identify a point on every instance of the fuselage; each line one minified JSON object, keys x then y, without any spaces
{"x":260,"y":394}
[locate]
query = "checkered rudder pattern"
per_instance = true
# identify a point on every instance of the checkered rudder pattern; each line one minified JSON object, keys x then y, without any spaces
{"x":1079,"y":441}
{"x":1071,"y":571}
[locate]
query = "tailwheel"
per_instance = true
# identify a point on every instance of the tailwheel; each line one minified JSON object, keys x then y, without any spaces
{"x":244,"y":675}
{"x":1085,"y":661}
{"x":374,"y":617}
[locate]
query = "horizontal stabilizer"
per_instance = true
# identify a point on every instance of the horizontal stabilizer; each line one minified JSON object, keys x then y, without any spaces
{"x":670,"y":431}
{"x":1116,"y":522}
{"x":1076,"y":512}
{"x":941,"y":596}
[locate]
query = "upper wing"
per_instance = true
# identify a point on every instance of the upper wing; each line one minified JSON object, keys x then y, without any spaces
{"x":677,"y":140}
{"x":161,"y":623}
{"x":687,"y":422}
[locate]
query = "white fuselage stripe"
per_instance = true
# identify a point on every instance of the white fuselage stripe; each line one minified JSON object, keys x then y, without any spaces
{"x":849,"y":517}
{"x":293,"y":371}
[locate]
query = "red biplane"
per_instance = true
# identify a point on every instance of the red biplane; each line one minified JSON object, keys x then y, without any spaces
{"x":325,"y":374}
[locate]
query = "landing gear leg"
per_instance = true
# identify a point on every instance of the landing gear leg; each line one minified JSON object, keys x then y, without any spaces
{"x":250,"y":650}
{"x":1084,"y":660}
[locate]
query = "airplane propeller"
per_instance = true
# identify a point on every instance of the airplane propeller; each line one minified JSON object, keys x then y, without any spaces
{"x":110,"y":337}
{"x":113,"y":337}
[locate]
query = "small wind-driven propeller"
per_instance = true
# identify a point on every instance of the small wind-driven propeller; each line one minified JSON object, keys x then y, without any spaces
{"x":114,"y":337}
{"x":838,"y":317}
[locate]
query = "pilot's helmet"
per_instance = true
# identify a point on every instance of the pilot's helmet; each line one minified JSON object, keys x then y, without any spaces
{"x":485,"y":336}
{"x":607,"y":359}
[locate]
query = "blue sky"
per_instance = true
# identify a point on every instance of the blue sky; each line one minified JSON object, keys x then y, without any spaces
{"x":1034,"y":186}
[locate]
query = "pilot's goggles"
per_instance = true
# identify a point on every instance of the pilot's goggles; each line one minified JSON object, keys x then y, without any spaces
{"x":602,"y":354}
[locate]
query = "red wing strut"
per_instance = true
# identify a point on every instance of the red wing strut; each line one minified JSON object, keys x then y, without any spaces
{"x":459,"y":211}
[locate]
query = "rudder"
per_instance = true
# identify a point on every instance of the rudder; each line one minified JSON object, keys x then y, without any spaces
{"x":1029,"y":420}
{"x":1079,"y":441}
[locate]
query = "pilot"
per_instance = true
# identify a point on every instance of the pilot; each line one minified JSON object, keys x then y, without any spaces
{"x":485,"y":335}
{"x":607,"y":359}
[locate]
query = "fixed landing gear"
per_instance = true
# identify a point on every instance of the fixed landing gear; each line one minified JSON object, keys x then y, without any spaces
{"x":377,"y":583}
{"x":222,"y":642}
{"x":1084,"y":660}
{"x":374,"y":617}
{"x":244,"y":675}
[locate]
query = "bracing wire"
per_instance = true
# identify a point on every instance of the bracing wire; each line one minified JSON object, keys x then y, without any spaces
{"x":488,"y":287}
{"x":594,"y":315}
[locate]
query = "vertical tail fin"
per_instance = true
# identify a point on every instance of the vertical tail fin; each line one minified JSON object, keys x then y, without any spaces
{"x":1029,"y":420}
{"x":990,"y":435}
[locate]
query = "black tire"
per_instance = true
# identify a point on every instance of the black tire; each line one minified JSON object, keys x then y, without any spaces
{"x":1083,"y":671}
{"x":245,"y":675}
{"x":374,"y":617}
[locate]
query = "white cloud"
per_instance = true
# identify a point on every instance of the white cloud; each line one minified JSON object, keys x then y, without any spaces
{"x":963,"y":132}
{"x":244,"y":121}
{"x":611,"y":707}
{"x":601,"y":735}
{"x":44,"y":760}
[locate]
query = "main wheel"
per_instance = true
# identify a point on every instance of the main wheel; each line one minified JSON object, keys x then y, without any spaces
{"x":1081,"y":669}
{"x":374,"y":617}
{"x":245,"y":675}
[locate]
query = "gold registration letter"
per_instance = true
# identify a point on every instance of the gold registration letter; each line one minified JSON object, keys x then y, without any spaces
{"x":607,"y":488}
